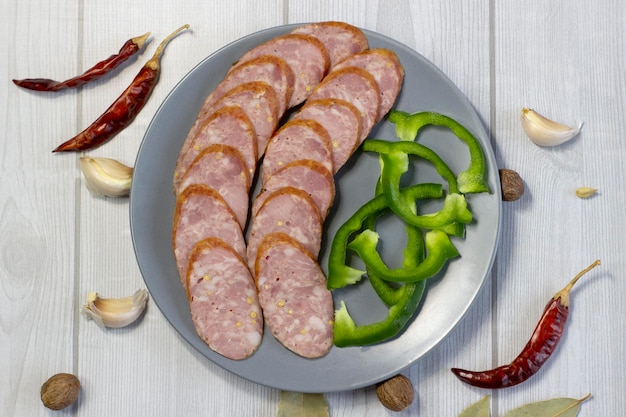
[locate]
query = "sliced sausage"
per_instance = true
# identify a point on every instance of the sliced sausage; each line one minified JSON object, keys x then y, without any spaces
{"x":297,"y":306}
{"x":305,"y":54}
{"x":356,"y":86}
{"x":260,"y":103}
{"x":223,"y":300}
{"x":295,"y":140}
{"x":200,"y":213}
{"x":385,"y":67}
{"x":341,"y":120}
{"x":307,"y":175}
{"x":270,"y":69}
{"x":229,"y":126}
{"x":341,"y":39}
{"x":291,"y":211}
{"x":222,"y":168}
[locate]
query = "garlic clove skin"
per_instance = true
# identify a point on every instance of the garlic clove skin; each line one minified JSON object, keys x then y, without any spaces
{"x":115,"y":312}
{"x":545,"y":132}
{"x":106,"y":176}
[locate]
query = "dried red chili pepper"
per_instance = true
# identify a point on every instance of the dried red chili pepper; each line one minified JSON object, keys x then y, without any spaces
{"x":542,"y":343}
{"x":124,"y":108}
{"x":130,"y":48}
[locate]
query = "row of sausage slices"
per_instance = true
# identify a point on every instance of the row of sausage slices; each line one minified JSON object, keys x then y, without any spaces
{"x":336,"y":90}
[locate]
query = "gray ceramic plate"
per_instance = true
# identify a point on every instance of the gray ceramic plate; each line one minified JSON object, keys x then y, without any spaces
{"x":448,"y":295}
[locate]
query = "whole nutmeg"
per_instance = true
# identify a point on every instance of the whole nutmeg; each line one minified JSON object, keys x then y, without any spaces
{"x":396,"y":393}
{"x":60,"y":391}
{"x":512,"y":185}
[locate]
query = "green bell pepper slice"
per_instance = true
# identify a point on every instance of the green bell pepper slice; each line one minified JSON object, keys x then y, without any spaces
{"x":348,"y":333}
{"x":340,"y":274}
{"x":474,"y":178}
{"x":439,"y":249}
{"x":413,"y":254}
{"x":400,"y":160}
{"x":402,"y":301}
{"x":395,"y":162}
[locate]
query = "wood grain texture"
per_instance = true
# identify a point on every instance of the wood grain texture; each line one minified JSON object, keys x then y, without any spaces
{"x":58,"y":241}
{"x":37,"y":210}
{"x":567,"y":63}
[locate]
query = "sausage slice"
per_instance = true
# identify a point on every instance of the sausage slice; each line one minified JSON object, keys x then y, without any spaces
{"x":306,"y":56}
{"x":295,"y":140}
{"x":385,"y":67}
{"x":229,"y":126}
{"x":342,"y":121}
{"x":297,"y":306}
{"x":290,"y":211}
{"x":260,"y":103}
{"x":223,"y":300}
{"x":270,"y":69}
{"x":222,"y":168}
{"x":200,"y":213}
{"x":356,"y":86}
{"x":341,"y":39}
{"x":307,"y":175}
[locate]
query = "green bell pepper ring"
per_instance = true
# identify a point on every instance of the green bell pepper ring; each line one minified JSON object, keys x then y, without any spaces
{"x":340,"y":274}
{"x":413,"y":255}
{"x":402,"y":301}
{"x":439,"y":249}
{"x":474,"y":178}
{"x":395,"y":161}
{"x":347,"y":333}
{"x":400,"y":163}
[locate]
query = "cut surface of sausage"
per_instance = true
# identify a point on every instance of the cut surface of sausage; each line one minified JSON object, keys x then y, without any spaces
{"x":259,"y":102}
{"x":306,"y":56}
{"x":342,"y":121}
{"x":297,"y":306}
{"x":356,"y":86}
{"x":229,"y":126}
{"x":385,"y":67}
{"x":295,"y":140}
{"x":290,"y":211}
{"x":223,"y":300}
{"x":270,"y":69}
{"x":201,"y":213}
{"x":222,"y":168}
{"x":307,"y":175}
{"x":341,"y":39}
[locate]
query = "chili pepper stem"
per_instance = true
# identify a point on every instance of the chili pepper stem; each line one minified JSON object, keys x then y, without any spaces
{"x":565,"y":292}
{"x":140,"y":41}
{"x":153,"y":63}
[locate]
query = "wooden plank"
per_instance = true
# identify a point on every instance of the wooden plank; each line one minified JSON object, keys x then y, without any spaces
{"x":569,"y":68}
{"x":37,"y":238}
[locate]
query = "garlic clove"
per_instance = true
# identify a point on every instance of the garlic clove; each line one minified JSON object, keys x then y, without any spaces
{"x":115,"y":312}
{"x":545,"y":132}
{"x":106,"y":176}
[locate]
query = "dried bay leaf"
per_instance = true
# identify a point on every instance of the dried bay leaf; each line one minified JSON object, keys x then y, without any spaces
{"x":296,"y":404}
{"x":479,"y":409}
{"x":557,"y":407}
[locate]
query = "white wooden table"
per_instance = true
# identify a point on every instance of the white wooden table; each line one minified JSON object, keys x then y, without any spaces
{"x":58,"y":242}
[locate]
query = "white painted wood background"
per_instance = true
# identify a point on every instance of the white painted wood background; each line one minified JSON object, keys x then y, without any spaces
{"x":58,"y":242}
